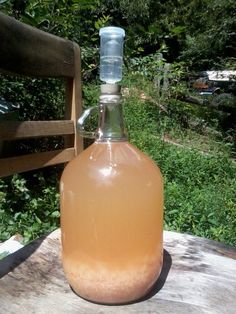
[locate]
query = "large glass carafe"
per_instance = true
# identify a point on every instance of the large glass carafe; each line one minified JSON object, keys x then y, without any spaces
{"x":111,"y":214}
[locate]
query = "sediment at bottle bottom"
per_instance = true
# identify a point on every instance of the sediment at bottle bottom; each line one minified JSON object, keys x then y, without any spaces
{"x":107,"y":286}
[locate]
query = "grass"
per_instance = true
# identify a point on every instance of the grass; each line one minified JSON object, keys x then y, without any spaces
{"x":199,"y":173}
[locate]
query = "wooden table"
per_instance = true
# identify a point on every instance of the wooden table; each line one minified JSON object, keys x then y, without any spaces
{"x":198,"y":276}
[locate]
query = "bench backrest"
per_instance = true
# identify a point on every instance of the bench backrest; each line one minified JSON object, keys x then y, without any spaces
{"x":27,"y":51}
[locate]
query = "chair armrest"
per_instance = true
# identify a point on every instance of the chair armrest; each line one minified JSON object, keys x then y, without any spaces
{"x":28,"y":51}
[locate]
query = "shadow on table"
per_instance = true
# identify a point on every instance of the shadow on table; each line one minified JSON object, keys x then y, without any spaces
{"x":10,"y":262}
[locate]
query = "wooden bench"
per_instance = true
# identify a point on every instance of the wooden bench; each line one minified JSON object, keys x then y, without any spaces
{"x":198,"y":275}
{"x":27,"y":51}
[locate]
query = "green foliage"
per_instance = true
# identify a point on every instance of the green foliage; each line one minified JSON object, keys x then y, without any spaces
{"x":145,"y":22}
{"x":200,"y":196}
{"x":199,"y":188}
{"x":149,"y":66}
{"x":200,"y":32}
{"x":28,"y":206}
{"x":210,"y":36}
{"x":38,"y":99}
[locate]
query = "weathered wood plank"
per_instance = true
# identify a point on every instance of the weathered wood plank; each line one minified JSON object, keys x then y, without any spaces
{"x":198,"y":276}
{"x":28,"y":51}
{"x":12,"y":130}
{"x":9,"y":166}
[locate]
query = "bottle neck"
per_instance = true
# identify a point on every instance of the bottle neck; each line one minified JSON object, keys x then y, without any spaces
{"x":111,"y":123}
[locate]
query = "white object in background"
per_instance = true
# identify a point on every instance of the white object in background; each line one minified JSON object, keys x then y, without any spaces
{"x":221,"y":75}
{"x":11,"y":245}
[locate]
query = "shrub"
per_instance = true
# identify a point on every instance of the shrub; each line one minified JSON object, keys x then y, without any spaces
{"x":29,"y":205}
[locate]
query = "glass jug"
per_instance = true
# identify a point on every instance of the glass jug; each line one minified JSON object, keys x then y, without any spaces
{"x":111,"y":213}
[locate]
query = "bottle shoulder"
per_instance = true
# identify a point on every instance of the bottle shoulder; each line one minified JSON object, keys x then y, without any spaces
{"x":112,"y":154}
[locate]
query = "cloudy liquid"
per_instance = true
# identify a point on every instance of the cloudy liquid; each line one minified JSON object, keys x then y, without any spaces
{"x":111,"y":220}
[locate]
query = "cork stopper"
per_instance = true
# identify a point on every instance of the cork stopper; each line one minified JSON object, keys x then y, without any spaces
{"x":110,"y":89}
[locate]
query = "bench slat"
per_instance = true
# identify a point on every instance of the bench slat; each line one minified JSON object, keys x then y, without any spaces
{"x":9,"y":166}
{"x":12,"y":130}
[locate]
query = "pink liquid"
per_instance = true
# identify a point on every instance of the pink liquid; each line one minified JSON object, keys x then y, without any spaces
{"x":111,"y":220}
